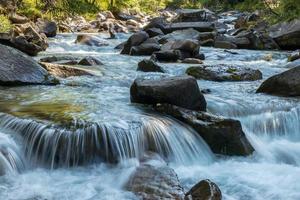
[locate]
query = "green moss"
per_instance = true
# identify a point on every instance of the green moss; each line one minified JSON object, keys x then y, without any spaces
{"x":5,"y":24}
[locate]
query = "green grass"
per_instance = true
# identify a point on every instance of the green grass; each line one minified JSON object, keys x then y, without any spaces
{"x":5,"y":24}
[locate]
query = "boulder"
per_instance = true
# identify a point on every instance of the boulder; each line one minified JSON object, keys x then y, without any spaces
{"x":150,"y":182}
{"x":49,"y":28}
{"x":26,"y":38}
{"x":286,"y":34}
{"x":204,"y":190}
{"x":90,"y":41}
{"x":16,"y":68}
{"x":190,"y":33}
{"x":64,"y":71}
{"x":199,"y":26}
{"x":148,"y":65}
{"x":166,"y":56}
{"x":134,"y":40}
{"x":224,"y":73}
{"x":225,"y":45}
{"x":195,"y":15}
{"x":152,"y":32}
{"x":180,"y":90}
{"x":223,"y":136}
{"x":283,"y":84}
{"x":157,"y":22}
{"x":144,"y":49}
{"x":90,"y":61}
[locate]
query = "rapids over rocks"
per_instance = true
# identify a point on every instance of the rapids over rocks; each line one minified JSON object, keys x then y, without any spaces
{"x":83,"y":139}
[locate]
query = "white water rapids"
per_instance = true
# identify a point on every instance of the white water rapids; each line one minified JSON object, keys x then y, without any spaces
{"x":41,"y":161}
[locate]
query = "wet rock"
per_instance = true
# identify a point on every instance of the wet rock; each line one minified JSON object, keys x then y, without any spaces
{"x":152,"y":32}
{"x":120,"y":46}
{"x":195,"y":15}
{"x":148,"y":65}
{"x":16,"y":68}
{"x":287,"y":34}
{"x":294,"y":56}
{"x":166,"y":56}
{"x":49,"y":28}
{"x":283,"y":84}
{"x":144,"y":49}
{"x":90,"y":61}
{"x":151,"y":182}
{"x":223,"y":136}
{"x":64,"y":71}
{"x":134,"y":40}
{"x":180,"y":90}
{"x":224,"y":73}
{"x":190,"y":33}
{"x":158,"y":22}
{"x":224,"y":45}
{"x":90,"y":41}
{"x":192,"y":61}
{"x":199,"y":26}
{"x":51,"y":59}
{"x":204,"y":190}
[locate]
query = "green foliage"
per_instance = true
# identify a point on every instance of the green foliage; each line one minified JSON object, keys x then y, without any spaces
{"x":5,"y":24}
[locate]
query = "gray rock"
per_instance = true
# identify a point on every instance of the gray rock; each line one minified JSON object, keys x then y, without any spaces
{"x":150,"y":182}
{"x":148,"y":65}
{"x":134,"y":40}
{"x":49,"y":28}
{"x":90,"y":41}
{"x":223,"y":136}
{"x":16,"y":68}
{"x":204,"y":190}
{"x":287,"y":34}
{"x":224,"y":73}
{"x":90,"y":61}
{"x":199,"y":26}
{"x":283,"y":84}
{"x":180,"y":90}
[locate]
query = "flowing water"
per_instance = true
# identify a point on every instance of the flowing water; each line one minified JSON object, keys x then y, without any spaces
{"x":83,"y":139}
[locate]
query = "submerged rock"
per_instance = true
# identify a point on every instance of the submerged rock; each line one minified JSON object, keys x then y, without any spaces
{"x":294,"y":56}
{"x":150,"y":182}
{"x":90,"y":41}
{"x":223,"y":136}
{"x":283,"y":84}
{"x":204,"y":190}
{"x":192,"y":61}
{"x":64,"y":71}
{"x":90,"y":61}
{"x":180,"y":90}
{"x":148,"y":65}
{"x":16,"y":68}
{"x":224,"y":73}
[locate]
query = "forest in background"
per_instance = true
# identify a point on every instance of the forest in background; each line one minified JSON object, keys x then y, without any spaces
{"x":275,"y":10}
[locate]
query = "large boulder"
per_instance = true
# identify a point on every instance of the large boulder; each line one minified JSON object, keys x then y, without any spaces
{"x":199,"y":26}
{"x":134,"y":40}
{"x":158,"y":22}
{"x":287,"y":34}
{"x":148,"y":65}
{"x":204,"y":190}
{"x":150,"y":182}
{"x":64,"y":71}
{"x":180,"y":90}
{"x":144,"y":49}
{"x":224,"y":73}
{"x":166,"y":56}
{"x":49,"y":28}
{"x":283,"y":84}
{"x":16,"y":68}
{"x":223,"y":136}
{"x":190,"y":33}
{"x":90,"y":40}
{"x":195,"y":15}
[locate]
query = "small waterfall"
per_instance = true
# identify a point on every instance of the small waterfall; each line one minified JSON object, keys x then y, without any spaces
{"x":85,"y":143}
{"x":11,"y":159}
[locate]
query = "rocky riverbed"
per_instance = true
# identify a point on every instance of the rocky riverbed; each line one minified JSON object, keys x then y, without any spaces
{"x":192,"y":105}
